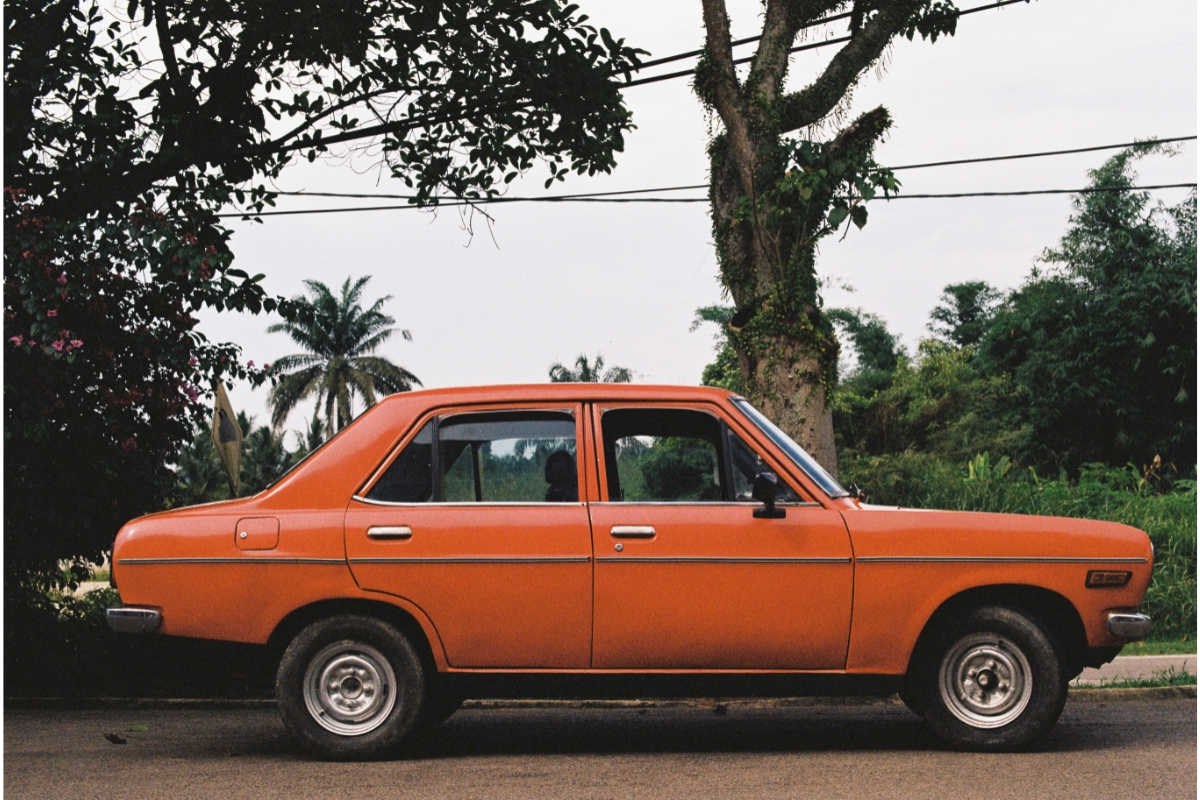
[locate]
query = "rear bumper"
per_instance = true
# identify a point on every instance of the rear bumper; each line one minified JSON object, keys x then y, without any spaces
{"x":134,"y":620}
{"x":1125,"y":625}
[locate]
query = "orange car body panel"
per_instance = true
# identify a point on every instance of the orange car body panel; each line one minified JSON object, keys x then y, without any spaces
{"x":836,"y":586}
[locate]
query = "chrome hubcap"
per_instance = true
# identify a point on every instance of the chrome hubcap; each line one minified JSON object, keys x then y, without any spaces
{"x":349,"y":688}
{"x":985,"y":680}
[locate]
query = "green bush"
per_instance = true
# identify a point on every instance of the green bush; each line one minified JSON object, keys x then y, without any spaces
{"x":1166,"y":513}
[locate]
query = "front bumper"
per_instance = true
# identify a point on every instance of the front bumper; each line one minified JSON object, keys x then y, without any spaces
{"x":1125,"y":625}
{"x":134,"y":620}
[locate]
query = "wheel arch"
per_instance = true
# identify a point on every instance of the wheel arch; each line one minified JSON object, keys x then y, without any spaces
{"x":1049,"y":608}
{"x":410,"y":622}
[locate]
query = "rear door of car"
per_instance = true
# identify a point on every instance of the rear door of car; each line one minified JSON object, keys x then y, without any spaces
{"x":462,"y":522}
{"x":686,"y":576}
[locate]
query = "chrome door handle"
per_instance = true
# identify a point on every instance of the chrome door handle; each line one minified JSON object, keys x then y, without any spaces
{"x":632,"y":531}
{"x":389,"y":532}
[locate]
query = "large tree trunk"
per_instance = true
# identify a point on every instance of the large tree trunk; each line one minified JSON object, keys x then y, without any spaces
{"x":773,"y":198}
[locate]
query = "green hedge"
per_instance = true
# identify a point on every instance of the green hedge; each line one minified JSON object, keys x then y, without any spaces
{"x":1165,"y":511}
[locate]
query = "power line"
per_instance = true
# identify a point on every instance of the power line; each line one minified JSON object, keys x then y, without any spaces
{"x":594,"y":199}
{"x":358,"y":196}
{"x":800,"y":48}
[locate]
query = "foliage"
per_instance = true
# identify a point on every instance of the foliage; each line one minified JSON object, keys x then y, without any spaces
{"x":965,"y":313}
{"x":200,"y":478}
{"x":339,"y":338}
{"x":126,"y":133}
{"x":593,"y":372}
{"x":723,"y":372}
{"x":1103,"y":342}
{"x":1128,"y":496}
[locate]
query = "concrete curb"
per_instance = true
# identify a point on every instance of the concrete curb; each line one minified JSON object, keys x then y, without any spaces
{"x":716,"y":705}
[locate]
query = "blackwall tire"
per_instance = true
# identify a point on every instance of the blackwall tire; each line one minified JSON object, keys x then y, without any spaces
{"x":350,"y":687}
{"x":994,"y":681}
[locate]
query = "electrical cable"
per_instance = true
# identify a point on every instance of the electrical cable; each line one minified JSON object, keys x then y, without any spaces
{"x":593,"y":199}
{"x":800,"y":48}
{"x":985,"y":159}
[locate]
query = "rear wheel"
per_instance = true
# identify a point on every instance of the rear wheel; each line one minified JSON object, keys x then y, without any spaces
{"x":991,"y":680}
{"x":350,"y":687}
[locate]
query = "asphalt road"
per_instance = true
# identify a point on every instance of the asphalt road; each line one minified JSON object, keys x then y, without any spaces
{"x":1118,"y":749}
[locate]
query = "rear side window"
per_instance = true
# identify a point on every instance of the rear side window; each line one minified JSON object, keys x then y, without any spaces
{"x":504,"y":457}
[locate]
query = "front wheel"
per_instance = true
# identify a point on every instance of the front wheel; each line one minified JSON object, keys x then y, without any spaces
{"x":350,"y":687}
{"x":994,"y":681}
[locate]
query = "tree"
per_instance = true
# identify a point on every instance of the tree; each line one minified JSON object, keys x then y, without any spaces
{"x":965,"y":312}
{"x":723,"y":371}
{"x":773,"y":198}
{"x":125,"y":135}
{"x":338,"y":337}
{"x":1103,"y":338}
{"x":589,"y":373}
{"x":201,"y":478}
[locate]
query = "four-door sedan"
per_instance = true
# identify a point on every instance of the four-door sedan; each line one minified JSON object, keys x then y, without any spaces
{"x":596,"y":537}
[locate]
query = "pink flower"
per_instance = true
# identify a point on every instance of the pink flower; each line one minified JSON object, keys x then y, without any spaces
{"x":191,"y":393}
{"x":77,"y":343}
{"x":52,"y":312}
{"x":62,"y":279}
{"x":17,"y":339}
{"x":250,"y":365}
{"x":32,"y":343}
{"x":58,"y":345}
{"x":193,"y":361}
{"x":266,"y":366}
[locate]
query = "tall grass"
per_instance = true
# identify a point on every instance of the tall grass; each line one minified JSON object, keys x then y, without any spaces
{"x":1166,"y":514}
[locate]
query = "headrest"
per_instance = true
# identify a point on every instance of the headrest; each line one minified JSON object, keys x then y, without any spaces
{"x":560,"y":468}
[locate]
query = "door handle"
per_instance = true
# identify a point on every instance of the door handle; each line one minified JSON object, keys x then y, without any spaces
{"x":389,"y":532}
{"x":632,"y":532}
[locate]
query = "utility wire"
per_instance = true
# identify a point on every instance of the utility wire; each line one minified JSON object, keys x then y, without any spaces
{"x":800,"y":48}
{"x":594,"y":199}
{"x":705,"y":186}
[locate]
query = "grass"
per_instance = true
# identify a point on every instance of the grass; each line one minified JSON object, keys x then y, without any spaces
{"x":1166,"y":677}
{"x":1167,"y":647}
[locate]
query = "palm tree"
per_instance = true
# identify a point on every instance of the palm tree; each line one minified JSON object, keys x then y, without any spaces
{"x":589,"y":373}
{"x":338,"y":338}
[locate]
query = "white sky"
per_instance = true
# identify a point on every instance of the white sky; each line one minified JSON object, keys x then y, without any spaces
{"x":624,"y":280}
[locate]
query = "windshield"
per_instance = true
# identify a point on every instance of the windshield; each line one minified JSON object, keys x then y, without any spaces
{"x":803,"y":460}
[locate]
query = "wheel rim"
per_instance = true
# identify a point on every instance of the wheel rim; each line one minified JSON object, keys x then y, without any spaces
{"x":985,"y":680}
{"x":349,"y":688}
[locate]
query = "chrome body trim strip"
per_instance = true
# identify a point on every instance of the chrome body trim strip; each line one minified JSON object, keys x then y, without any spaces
{"x":232,"y":560}
{"x":133,"y":620}
{"x":705,"y":503}
{"x":484,"y":504}
{"x":999,"y":559}
{"x":1128,"y":626}
{"x":474,"y":560}
{"x":389,"y":532}
{"x":724,"y":560}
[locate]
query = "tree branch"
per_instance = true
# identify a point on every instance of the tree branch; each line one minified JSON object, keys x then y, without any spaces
{"x":811,"y":104}
{"x":782,"y":20}
{"x":722,"y":89}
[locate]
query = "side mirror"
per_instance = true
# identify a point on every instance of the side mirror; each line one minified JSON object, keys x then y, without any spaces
{"x":765,"y":485}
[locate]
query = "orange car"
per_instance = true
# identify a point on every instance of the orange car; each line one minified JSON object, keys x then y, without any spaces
{"x":589,"y":538}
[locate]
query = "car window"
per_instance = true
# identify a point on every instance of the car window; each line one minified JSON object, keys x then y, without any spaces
{"x":502,"y":457}
{"x":747,"y":463}
{"x":663,"y":455}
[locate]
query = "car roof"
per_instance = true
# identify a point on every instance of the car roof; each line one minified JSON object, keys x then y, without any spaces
{"x":561,"y":391}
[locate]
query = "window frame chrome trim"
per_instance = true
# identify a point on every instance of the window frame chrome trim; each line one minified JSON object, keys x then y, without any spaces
{"x":461,"y":504}
{"x":706,"y":503}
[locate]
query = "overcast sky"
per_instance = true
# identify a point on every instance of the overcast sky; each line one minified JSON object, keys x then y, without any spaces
{"x":624,"y":280}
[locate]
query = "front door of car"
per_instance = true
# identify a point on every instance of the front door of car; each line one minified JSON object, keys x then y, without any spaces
{"x":478,"y":521}
{"x":687,"y":576}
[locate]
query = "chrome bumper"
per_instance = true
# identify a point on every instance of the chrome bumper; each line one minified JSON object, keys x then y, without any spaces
{"x":1128,"y":626}
{"x":134,"y":620}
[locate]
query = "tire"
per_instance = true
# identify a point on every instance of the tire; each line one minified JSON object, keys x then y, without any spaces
{"x":992,"y":681}
{"x":350,"y":687}
{"x":440,"y":704}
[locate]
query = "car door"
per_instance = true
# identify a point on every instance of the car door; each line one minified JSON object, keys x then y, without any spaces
{"x":686,"y":576}
{"x":477,"y":519}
